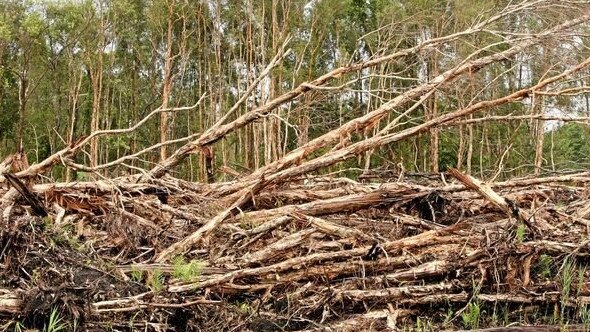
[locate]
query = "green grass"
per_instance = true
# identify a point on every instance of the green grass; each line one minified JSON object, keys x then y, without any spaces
{"x":584,"y":314}
{"x":19,"y":327}
{"x":448,"y":318}
{"x":132,"y":321}
{"x":472,"y":315}
{"x":568,"y":271}
{"x":55,"y":323}
{"x":424,"y":325}
{"x":136,"y":275}
{"x":566,"y":277}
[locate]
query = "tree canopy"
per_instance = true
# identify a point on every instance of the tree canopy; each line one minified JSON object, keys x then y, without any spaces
{"x":69,"y":68}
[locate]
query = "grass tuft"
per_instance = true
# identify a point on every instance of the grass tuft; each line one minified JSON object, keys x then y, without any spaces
{"x":136,"y":274}
{"x":471,"y":315}
{"x":55,"y":322}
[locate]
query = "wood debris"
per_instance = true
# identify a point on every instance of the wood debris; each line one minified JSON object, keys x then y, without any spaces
{"x":302,"y":257}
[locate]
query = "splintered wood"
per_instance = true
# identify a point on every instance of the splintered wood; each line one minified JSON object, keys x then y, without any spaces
{"x":335,"y":251}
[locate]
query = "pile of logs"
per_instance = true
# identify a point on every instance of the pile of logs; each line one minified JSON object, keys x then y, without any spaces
{"x":326,"y":253}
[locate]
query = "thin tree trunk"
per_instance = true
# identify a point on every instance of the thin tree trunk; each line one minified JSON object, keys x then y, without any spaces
{"x":95,"y":71}
{"x":165,"y":117}
{"x":470,"y":136}
{"x":73,"y":102}
{"x":433,"y":72}
{"x":461,"y":149}
{"x":540,"y":135}
{"x":23,"y":87}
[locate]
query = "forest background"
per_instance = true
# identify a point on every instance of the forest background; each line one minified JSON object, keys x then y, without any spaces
{"x":68,"y":68}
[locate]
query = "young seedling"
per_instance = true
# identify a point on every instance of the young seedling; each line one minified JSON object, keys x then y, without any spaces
{"x":520,"y":233}
{"x":156,"y":281}
{"x":544,"y":265}
{"x":184,"y":271}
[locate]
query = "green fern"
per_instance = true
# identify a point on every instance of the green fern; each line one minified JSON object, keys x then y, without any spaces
{"x":184,"y":271}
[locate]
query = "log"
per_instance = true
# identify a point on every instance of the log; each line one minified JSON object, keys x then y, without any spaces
{"x":537,"y":225}
{"x":10,"y":301}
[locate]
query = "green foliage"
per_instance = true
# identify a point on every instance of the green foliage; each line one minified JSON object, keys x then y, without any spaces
{"x":33,"y":24}
{"x":57,"y":45}
{"x":244,"y":308}
{"x":448,"y":318}
{"x":544,"y":266}
{"x":520,"y":233}
{"x":5,"y":31}
{"x":447,"y":152}
{"x":156,"y":281}
{"x":132,"y":321}
{"x":571,"y":146}
{"x":82,"y":176}
{"x":471,"y":314}
{"x":117,"y":142}
{"x":466,"y":10}
{"x":184,"y":271}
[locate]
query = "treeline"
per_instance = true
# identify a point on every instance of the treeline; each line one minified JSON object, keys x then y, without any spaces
{"x":69,"y":68}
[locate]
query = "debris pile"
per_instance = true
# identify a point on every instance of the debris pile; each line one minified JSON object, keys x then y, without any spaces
{"x":326,"y":253}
